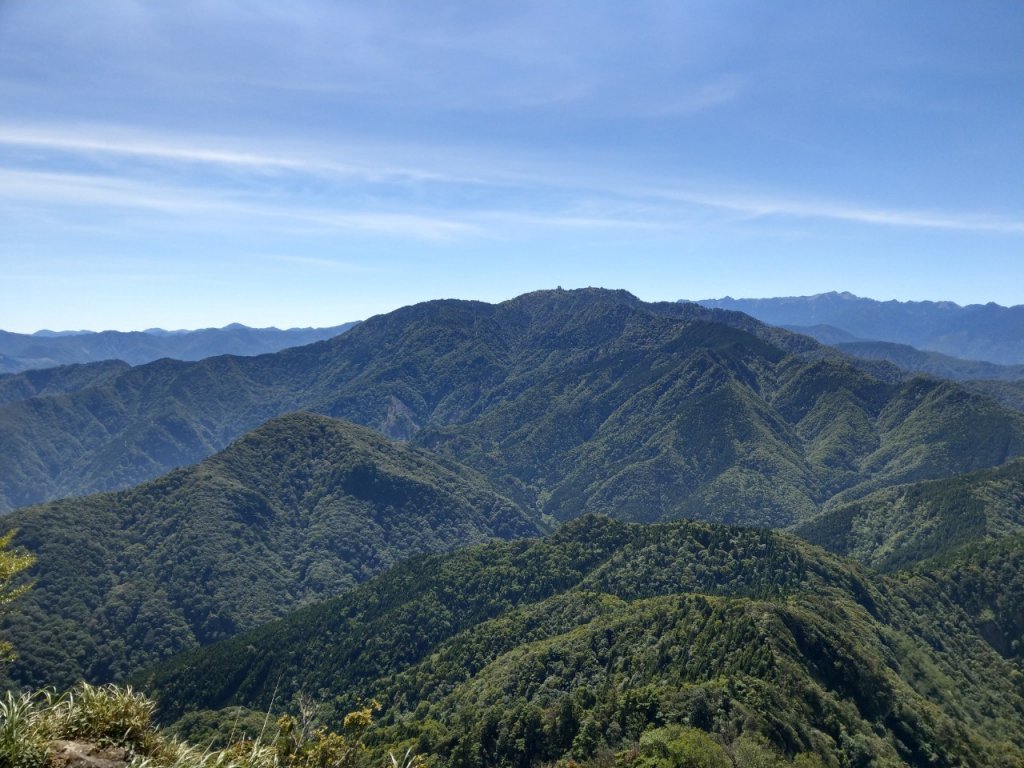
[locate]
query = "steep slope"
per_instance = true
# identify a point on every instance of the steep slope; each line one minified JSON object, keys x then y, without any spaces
{"x":961,"y":537}
{"x":986,"y":579}
{"x":1007,"y":393}
{"x":907,"y":524}
{"x":571,"y":400}
{"x":20,"y":352}
{"x":937,"y":364}
{"x":519,"y":653}
{"x":57,"y":381}
{"x":708,"y":422}
{"x":975,"y":332}
{"x":301,"y":509}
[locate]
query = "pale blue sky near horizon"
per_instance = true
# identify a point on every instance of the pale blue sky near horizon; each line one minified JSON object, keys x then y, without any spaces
{"x":202,"y":162}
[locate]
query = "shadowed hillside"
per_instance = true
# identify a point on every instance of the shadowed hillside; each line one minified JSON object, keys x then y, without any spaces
{"x":57,"y":381}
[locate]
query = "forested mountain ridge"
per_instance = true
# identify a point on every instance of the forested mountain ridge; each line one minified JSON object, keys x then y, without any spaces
{"x":540,"y":393}
{"x":20,"y":352}
{"x":301,"y":509}
{"x":712,"y":424}
{"x":1008,"y":393}
{"x":899,"y":526}
{"x":934,"y":363}
{"x":961,"y":536}
{"x":524,"y":652}
{"x":516,"y":417}
{"x":57,"y":381}
{"x":976,"y":332}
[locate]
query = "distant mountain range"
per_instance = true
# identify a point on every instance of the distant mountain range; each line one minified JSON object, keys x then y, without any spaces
{"x":45,"y":349}
{"x":987,"y":332}
{"x":935,"y":363}
{"x":569,"y":400}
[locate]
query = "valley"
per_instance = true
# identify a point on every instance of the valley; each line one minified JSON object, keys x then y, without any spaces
{"x":560,"y":528}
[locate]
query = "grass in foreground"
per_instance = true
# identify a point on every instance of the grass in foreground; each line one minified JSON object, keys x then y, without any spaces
{"x":116,"y":718}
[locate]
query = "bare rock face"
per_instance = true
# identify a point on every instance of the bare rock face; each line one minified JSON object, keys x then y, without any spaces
{"x":80,"y":754}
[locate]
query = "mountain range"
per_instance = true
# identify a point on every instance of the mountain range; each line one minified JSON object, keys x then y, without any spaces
{"x":46,"y":349}
{"x":934,"y":363}
{"x":303,"y":508}
{"x":316,"y":545}
{"x":529,"y":652}
{"x":59,"y":380}
{"x":567,"y":400}
{"x":987,"y":332}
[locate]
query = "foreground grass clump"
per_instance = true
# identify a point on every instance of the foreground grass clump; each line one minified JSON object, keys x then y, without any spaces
{"x":120,"y":719}
{"x":104,"y":716}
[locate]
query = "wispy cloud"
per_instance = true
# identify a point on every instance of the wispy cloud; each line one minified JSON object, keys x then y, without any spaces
{"x":565,"y":220}
{"x":94,"y":140}
{"x":199,"y":206}
{"x":505,"y":189}
{"x":18,"y":187}
{"x":765,"y":206}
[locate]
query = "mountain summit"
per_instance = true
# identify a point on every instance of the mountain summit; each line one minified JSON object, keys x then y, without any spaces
{"x":570,"y":401}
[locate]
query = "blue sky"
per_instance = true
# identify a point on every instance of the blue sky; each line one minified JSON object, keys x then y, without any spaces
{"x":190,"y":164}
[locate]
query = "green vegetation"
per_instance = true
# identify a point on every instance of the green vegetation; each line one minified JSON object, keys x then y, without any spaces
{"x":1009,"y":393}
{"x":714,"y":425}
{"x":118,"y":723}
{"x":57,"y":381}
{"x":302,"y":509}
{"x":250,"y":580}
{"x":961,"y":538}
{"x":570,"y":400}
{"x":986,"y":579}
{"x":12,"y":563}
{"x":579,"y":644}
{"x":900,"y":526}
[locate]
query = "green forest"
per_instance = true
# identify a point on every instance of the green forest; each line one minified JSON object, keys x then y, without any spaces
{"x":605,"y":630}
{"x":572,"y":529}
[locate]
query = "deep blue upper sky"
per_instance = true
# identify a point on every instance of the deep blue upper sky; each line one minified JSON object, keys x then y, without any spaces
{"x":291,"y":163}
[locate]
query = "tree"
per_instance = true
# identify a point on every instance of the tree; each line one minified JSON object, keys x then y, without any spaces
{"x":11,"y":564}
{"x":681,"y":746}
